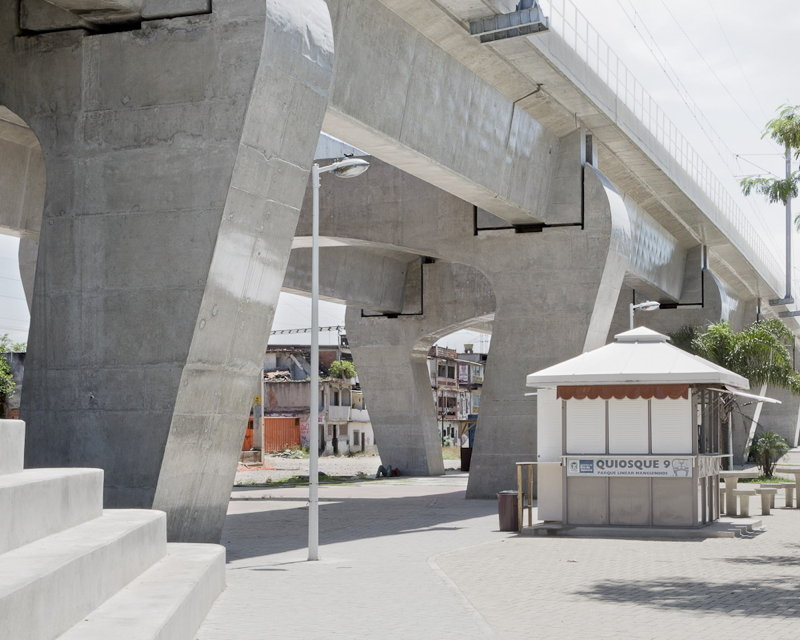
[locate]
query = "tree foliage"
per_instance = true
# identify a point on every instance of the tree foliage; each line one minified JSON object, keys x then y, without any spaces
{"x":774,"y":189}
{"x":7,"y":384}
{"x":762,"y":352}
{"x":684,"y":337}
{"x":766,"y":450}
{"x":342,"y":369}
{"x":784,"y":130}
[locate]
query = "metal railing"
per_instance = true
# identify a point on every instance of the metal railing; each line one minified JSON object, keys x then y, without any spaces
{"x":572,"y":26}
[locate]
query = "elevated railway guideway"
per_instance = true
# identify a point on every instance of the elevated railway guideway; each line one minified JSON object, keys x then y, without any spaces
{"x":577,"y":78}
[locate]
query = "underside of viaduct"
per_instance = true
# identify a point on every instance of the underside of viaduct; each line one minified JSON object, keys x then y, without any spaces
{"x":155,"y":163}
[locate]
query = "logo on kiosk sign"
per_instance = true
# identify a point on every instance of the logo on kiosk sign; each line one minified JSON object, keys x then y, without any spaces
{"x":586,"y":466}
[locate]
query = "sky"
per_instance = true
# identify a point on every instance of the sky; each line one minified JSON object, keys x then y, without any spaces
{"x":718,"y":68}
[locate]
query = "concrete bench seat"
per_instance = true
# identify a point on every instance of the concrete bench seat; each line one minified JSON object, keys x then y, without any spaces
{"x":788,"y":488}
{"x":767,"y":498}
{"x":744,"y":500}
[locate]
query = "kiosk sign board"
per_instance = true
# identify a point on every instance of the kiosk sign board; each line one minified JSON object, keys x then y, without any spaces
{"x":593,"y":466}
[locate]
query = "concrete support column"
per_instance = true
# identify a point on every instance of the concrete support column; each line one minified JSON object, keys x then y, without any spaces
{"x":556,"y":294}
{"x":397,"y":387}
{"x":177,"y":156}
{"x":391,"y":359}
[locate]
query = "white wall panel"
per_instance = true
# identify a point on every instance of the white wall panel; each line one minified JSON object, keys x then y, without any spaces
{"x":548,"y":426}
{"x":586,"y":426}
{"x":672,"y":425}
{"x":627,"y":426}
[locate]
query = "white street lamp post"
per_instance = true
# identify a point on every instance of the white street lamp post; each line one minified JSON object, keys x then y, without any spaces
{"x":347,"y":168}
{"x":649,"y":305}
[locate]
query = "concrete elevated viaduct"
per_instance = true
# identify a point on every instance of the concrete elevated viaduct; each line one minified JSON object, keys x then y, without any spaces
{"x":160,"y":157}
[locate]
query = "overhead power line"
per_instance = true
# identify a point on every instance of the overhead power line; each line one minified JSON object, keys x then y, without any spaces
{"x":708,"y":66}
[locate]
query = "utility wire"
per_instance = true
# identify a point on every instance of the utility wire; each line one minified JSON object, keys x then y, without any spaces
{"x":708,"y":66}
{"x":685,"y":96}
{"x":739,"y":66}
{"x":757,"y":166}
{"x":663,"y":62}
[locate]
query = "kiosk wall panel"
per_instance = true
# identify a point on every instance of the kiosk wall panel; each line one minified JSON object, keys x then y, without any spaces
{"x":672,"y":502}
{"x":627,"y":426}
{"x":548,"y":425}
{"x":586,"y":426}
{"x":629,"y":500}
{"x":672,"y":425}
{"x":587,"y":501}
{"x":550,"y":495}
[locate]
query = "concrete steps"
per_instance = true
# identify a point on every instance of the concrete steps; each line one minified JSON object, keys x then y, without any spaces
{"x":12,"y":446}
{"x":37,"y":502}
{"x":69,"y":569}
{"x":169,"y":600}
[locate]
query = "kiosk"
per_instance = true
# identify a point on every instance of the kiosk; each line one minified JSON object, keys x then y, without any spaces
{"x":631,"y":434}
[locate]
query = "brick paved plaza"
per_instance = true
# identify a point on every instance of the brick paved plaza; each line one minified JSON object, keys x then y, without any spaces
{"x":413,"y":559}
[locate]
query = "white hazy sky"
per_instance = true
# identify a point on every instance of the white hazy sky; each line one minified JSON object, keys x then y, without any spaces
{"x":732,"y":61}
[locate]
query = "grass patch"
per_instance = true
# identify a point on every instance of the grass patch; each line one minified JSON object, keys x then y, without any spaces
{"x":302,"y":481}
{"x":451,"y":453}
{"x":765,"y":480}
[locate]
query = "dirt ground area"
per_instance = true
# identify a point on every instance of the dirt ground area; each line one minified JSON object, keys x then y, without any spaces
{"x":276,"y":468}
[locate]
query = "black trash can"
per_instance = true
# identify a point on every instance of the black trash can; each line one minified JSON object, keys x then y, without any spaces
{"x":466,"y":457}
{"x":507,"y":510}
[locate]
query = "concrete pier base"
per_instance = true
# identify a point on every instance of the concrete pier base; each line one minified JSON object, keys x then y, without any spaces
{"x":177,"y":155}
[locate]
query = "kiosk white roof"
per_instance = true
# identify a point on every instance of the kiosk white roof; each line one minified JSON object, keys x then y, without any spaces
{"x":638,"y":356}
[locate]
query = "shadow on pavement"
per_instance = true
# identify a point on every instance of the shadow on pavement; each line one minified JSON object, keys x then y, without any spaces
{"x":279,"y":528}
{"x":783,"y":561}
{"x":759,"y":598}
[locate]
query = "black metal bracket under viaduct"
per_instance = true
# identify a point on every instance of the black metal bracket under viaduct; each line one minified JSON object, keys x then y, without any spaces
{"x":534,"y":227}
{"x":423,"y":261}
{"x":702,"y":303}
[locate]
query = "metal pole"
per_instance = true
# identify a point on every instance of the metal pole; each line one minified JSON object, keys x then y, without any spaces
{"x":631,"y":315}
{"x":313,"y":416}
{"x":788,"y":225}
{"x":262,"y":413}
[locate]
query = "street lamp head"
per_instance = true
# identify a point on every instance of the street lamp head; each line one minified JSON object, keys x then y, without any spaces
{"x":649,"y":305}
{"x":351,"y":168}
{"x":347,"y":168}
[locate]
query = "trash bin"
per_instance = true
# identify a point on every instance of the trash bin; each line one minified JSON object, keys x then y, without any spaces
{"x":466,"y":457}
{"x":507,"y":510}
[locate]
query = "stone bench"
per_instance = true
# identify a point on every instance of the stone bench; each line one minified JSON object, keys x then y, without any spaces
{"x":767,"y":498}
{"x":744,"y":500}
{"x":788,"y":488}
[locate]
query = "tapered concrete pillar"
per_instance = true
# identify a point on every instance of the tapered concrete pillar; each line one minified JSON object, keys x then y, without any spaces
{"x":556,"y":294}
{"x":390,"y":354}
{"x":177,"y":155}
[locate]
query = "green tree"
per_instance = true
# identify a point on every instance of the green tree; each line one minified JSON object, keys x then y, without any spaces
{"x":785,"y":130}
{"x":762,"y":352}
{"x":684,"y":337}
{"x":7,"y":384}
{"x":766,"y":450}
{"x":342,"y":369}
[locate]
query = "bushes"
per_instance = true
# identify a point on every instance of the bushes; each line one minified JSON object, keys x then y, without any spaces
{"x":766,"y":450}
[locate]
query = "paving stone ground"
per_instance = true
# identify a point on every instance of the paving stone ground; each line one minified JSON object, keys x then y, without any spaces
{"x":411,"y":558}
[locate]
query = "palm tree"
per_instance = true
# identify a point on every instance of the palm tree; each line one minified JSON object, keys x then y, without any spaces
{"x":762,"y":353}
{"x":785,"y":130}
